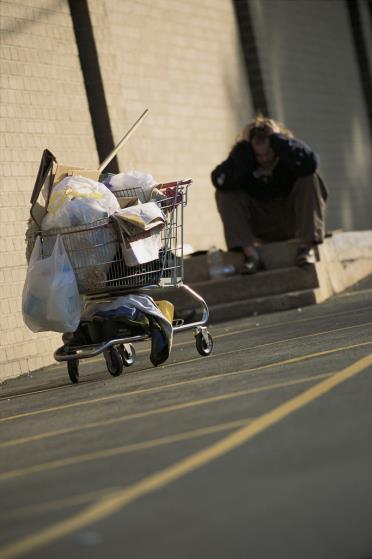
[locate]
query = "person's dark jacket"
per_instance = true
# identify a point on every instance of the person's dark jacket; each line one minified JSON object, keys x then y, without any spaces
{"x":240,"y":170}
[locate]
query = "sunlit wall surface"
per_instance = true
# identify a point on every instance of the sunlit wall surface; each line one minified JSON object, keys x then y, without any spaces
{"x":313,"y":83}
{"x":184,"y":62}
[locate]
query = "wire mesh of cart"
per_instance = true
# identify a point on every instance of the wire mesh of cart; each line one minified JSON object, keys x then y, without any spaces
{"x":97,"y":255}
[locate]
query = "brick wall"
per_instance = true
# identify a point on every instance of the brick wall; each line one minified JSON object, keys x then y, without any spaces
{"x":43,"y":104}
{"x":179,"y":59}
{"x":313,"y":85}
{"x":183,"y":61}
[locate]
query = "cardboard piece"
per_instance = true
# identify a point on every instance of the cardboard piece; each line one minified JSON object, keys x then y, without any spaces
{"x":62,"y":171}
{"x":51,"y":172}
{"x":127,"y":201}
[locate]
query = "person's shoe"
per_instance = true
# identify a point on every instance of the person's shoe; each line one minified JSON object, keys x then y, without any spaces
{"x":251,"y":265}
{"x":305,"y":256}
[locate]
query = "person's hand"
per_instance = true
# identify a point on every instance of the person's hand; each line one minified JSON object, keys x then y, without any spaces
{"x":270,"y":127}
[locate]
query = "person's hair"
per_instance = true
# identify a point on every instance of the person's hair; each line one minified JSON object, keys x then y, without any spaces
{"x":258,"y":123}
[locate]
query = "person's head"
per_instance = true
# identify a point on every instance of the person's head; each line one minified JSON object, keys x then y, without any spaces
{"x":263,"y":153}
{"x":258,"y":133}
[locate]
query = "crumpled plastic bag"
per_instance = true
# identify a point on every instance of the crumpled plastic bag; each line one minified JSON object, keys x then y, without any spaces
{"x":76,"y":201}
{"x":50,"y":298}
{"x":143,"y":184}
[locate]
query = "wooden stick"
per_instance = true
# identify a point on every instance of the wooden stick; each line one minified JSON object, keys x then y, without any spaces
{"x":122,"y":141}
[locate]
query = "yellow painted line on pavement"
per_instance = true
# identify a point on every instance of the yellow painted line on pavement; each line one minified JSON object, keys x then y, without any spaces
{"x":267,"y":344}
{"x":60,"y":504}
{"x":164,"y":477}
{"x":158,"y":411}
{"x":193,"y":359}
{"x":225,"y":332}
{"x":211,"y":377}
{"x":117,"y":451}
{"x":298,"y":321}
{"x":231,"y":332}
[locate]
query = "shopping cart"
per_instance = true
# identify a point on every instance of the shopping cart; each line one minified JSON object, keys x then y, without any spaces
{"x":96,"y":254}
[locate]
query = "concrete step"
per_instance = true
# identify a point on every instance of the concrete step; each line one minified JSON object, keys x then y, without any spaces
{"x":262,"y":305}
{"x":273,"y":256}
{"x":238,"y":296}
{"x":279,"y":255}
{"x":342,"y":260}
{"x":188,"y":309}
{"x":270,"y":282}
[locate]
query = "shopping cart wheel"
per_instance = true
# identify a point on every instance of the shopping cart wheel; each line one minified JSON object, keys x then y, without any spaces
{"x":128,"y":354}
{"x":73,"y":370}
{"x":114,"y":361}
{"x":204,"y":343}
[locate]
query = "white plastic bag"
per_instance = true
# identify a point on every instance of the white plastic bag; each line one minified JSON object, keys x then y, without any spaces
{"x":77,"y":201}
{"x":142,"y":182}
{"x":50,"y":298}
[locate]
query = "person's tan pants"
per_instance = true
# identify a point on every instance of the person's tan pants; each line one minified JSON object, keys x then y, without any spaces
{"x":300,"y":215}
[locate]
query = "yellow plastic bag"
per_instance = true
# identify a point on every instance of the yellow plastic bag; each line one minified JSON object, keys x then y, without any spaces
{"x":166,"y":308}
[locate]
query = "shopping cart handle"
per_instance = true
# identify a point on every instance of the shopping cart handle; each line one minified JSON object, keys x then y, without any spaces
{"x":164,"y":185}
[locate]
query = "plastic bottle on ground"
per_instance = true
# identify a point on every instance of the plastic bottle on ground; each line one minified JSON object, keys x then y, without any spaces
{"x":216,"y":266}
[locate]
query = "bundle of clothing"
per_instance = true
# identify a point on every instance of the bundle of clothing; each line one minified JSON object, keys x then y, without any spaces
{"x":141,"y":315}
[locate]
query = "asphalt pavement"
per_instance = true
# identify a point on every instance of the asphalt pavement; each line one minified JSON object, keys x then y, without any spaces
{"x":260,"y":450}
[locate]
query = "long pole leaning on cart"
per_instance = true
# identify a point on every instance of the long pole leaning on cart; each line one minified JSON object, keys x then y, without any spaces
{"x":122,"y":141}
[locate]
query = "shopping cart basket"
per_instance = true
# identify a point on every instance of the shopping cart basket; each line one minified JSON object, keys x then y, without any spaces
{"x":96,"y":254}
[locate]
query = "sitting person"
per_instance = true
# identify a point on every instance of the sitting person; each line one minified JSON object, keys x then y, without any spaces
{"x":268,"y":190}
